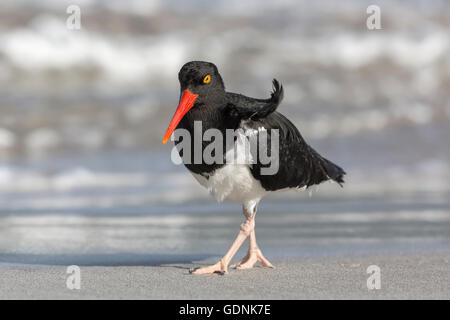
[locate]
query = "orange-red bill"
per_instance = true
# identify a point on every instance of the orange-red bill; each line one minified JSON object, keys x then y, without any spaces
{"x":186,"y":103}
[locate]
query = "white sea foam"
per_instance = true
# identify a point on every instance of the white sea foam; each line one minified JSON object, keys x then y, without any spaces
{"x":324,"y":125}
{"x":47,"y":44}
{"x":132,"y":59}
{"x":42,"y":139}
{"x":7,"y":138}
{"x":26,"y":180}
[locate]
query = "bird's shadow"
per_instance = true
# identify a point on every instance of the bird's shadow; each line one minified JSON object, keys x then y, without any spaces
{"x":181,"y":261}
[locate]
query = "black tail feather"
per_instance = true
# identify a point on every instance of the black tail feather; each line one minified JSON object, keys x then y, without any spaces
{"x":334,"y":172}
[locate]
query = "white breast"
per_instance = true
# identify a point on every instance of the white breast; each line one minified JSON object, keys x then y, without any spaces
{"x":234,"y":181}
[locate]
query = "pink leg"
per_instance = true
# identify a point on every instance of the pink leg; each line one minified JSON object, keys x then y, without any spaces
{"x":222,"y":266}
{"x":254,"y":255}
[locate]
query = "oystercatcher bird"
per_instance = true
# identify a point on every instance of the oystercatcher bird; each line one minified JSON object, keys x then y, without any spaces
{"x":203,"y":99}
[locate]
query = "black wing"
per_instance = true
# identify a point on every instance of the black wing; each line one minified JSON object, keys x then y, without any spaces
{"x":242,"y":107}
{"x":299,"y":164}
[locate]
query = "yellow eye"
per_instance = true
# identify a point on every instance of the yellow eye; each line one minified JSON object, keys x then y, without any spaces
{"x":207,"y":79}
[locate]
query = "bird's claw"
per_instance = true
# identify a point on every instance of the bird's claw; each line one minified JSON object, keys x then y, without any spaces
{"x":221,"y":272}
{"x":192,"y":270}
{"x":219,"y":268}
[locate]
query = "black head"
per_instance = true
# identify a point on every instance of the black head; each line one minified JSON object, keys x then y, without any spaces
{"x":202,"y":78}
{"x":201,"y":86}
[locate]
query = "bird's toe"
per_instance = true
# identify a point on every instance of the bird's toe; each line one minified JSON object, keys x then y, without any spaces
{"x":192,"y":270}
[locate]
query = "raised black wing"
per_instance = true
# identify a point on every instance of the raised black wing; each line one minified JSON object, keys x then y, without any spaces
{"x":246,"y":108}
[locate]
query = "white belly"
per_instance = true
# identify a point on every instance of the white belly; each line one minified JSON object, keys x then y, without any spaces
{"x":233,"y":182}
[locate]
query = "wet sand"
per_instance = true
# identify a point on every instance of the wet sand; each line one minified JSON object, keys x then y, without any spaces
{"x":411,"y":276}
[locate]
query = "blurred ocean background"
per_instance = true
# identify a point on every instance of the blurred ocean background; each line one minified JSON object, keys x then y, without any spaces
{"x":83,"y":112}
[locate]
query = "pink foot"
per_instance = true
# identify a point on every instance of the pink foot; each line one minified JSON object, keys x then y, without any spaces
{"x":250,"y":260}
{"x":220,"y":268}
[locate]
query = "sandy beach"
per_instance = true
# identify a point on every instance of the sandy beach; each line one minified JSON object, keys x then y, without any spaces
{"x":412,"y":276}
